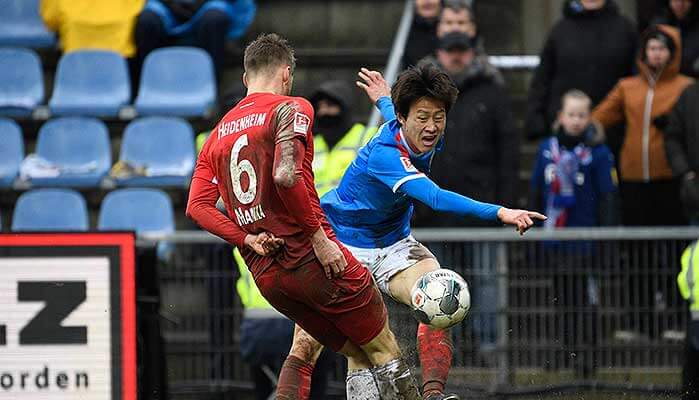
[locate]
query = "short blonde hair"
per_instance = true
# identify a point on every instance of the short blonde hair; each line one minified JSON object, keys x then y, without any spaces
{"x":575,"y":94}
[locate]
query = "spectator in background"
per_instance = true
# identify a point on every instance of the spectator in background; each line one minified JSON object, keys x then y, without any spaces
{"x":89,"y":24}
{"x":479,"y":159}
{"x":684,"y":15}
{"x":647,"y":183}
{"x":590,"y":49}
{"x":336,"y":135}
{"x":682,"y":149}
{"x":457,"y":16}
{"x":574,"y":182}
{"x":422,"y":39}
{"x":686,"y":282}
{"x":208,"y":22}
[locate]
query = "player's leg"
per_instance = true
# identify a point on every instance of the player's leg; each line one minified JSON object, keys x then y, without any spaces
{"x":301,"y":294}
{"x":435,"y":348}
{"x":298,"y":366}
{"x":360,"y":382}
{"x":359,"y":312}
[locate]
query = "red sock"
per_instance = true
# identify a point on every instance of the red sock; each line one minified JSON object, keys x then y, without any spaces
{"x":435,"y":349}
{"x":294,"y":380}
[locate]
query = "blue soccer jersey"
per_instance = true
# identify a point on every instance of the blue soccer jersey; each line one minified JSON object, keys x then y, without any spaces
{"x":372,"y":206}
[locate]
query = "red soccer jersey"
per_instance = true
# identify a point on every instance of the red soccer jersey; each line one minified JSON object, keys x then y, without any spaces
{"x":239,"y":158}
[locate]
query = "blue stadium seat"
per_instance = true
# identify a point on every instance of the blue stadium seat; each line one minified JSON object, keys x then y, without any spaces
{"x":50,"y":210}
{"x":90,"y":82}
{"x":21,"y":82}
{"x":164,"y":146}
{"x":11,"y":151}
{"x":21,"y":25}
{"x":79,"y":147}
{"x":140,"y":210}
{"x":177,"y":81}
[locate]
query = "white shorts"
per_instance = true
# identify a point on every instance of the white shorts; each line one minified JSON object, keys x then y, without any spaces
{"x":386,"y":262}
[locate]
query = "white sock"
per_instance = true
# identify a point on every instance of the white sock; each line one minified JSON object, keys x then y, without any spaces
{"x":361,"y":385}
{"x":395,"y":381}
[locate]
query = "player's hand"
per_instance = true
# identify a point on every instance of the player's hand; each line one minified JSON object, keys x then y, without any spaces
{"x":521,"y":219}
{"x":373,"y":84}
{"x":329,"y":254}
{"x":264,"y":244}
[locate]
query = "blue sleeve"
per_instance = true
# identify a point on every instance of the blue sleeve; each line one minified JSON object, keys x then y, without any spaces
{"x":438,"y":199}
{"x":605,"y":172}
{"x":385,"y":105}
{"x":389,"y":166}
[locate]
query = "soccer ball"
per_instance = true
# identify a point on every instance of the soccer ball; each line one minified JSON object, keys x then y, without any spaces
{"x":440,"y":298}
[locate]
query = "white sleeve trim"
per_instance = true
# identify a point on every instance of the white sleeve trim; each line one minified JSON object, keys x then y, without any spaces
{"x":406,"y":179}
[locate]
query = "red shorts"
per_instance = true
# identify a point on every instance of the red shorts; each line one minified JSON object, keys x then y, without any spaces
{"x":331,"y":310}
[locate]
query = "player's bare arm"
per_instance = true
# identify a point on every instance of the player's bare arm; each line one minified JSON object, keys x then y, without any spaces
{"x":521,"y":219}
{"x":288,"y":159}
{"x":373,"y":84}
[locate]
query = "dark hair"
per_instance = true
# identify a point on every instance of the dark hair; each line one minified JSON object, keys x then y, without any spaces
{"x":268,"y":51}
{"x":424,"y":80}
{"x":457,"y":6}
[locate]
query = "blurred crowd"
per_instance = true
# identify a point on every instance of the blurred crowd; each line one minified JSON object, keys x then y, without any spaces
{"x":603,"y":99}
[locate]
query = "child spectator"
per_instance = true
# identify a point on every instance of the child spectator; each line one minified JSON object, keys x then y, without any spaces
{"x":574,"y":180}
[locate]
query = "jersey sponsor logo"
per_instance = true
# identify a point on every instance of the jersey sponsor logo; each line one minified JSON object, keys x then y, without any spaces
{"x":240,"y":124}
{"x":301,"y":123}
{"x":407,"y":164}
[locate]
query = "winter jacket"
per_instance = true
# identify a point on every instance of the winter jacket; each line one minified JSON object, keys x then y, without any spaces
{"x":682,"y":133}
{"x":181,"y":17}
{"x":638,"y":100}
{"x":89,"y":24}
{"x":586,"y":50}
{"x":682,"y":146}
{"x":689,"y":28}
{"x":422,"y":40}
{"x":481,"y":149}
{"x":594,"y":183}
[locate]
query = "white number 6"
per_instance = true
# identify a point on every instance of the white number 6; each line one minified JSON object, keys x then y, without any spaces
{"x":237,"y":170}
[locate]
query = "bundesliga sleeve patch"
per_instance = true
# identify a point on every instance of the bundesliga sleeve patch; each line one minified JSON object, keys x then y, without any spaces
{"x":301,"y":123}
{"x":407,"y":164}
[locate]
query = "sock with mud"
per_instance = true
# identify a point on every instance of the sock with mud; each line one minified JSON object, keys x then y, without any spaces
{"x":395,"y":381}
{"x":361,"y":385}
{"x":294,"y":379}
{"x":435,"y":350}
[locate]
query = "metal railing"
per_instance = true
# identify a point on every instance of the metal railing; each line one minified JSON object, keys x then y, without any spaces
{"x":576,"y":308}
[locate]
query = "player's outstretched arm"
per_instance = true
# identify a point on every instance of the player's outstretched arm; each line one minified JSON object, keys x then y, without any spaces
{"x":428,"y":193}
{"x":521,"y":219}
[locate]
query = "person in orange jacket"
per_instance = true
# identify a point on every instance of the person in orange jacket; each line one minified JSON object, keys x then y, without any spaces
{"x":643,"y":102}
